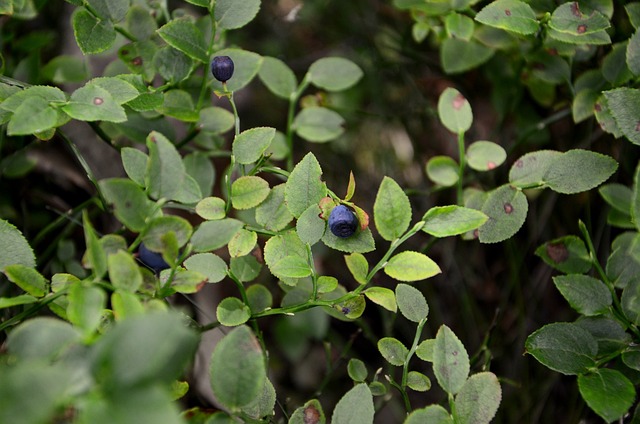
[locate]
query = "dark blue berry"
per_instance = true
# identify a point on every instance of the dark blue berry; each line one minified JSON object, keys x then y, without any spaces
{"x":222,"y":68}
{"x":151,"y":259}
{"x":342,"y":221}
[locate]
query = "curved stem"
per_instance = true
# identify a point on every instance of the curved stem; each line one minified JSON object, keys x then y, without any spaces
{"x":293,"y":101}
{"x":462,"y":163}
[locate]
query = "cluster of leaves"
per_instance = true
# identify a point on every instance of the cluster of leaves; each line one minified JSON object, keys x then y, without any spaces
{"x":549,"y":51}
{"x":115,"y":314}
{"x":600,"y":346}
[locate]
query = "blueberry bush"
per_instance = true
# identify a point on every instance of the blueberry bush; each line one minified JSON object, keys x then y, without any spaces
{"x":172,"y":172}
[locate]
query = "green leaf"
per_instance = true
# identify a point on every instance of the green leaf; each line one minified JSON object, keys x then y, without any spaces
{"x":358,"y":265}
{"x":450,"y":361}
{"x":16,"y":248}
{"x":383,"y":297}
{"x":433,"y":414}
{"x":250,"y":145}
{"x":182,"y":34}
{"x":95,"y":254}
{"x":278,"y":77}
{"x":454,"y":111}
{"x":92,"y":35}
{"x":622,"y":267}
{"x":633,"y":10}
{"x":211,"y":208}
{"x":418,"y":381}
{"x":86,"y":305}
{"x":121,"y":91}
{"x":23,"y":299}
{"x":614,"y":65}
{"x":485,"y":155}
{"x":230,"y":14}
{"x":291,"y":267}
{"x":304,"y":186}
{"x":42,"y":338}
{"x":158,"y":228}
{"x":198,"y":165}
{"x":459,"y":56}
{"x":32,"y":116}
{"x":334,"y":73}
{"x":246,"y":67}
{"x":318,"y":124}
{"x":566,"y":254}
{"x":114,"y":10}
{"x":617,"y":196}
{"x":166,"y":176}
{"x":140,"y":23}
{"x":172,"y":64}
{"x":624,"y":104}
{"x":568,"y":18}
{"x":259,"y":297}
{"x":237,"y":369}
{"x":245,"y":268}
{"x":248,"y":192}
{"x":27,"y":278}
{"x":273,"y":213}
{"x":209,"y":265}
{"x":151,"y":348}
{"x":94,"y":103}
{"x":357,"y":370}
{"x":393,"y":351}
{"x":282,"y":246}
{"x":563,"y":347}
{"x":442,"y":170}
{"x":511,"y":15}
{"x":232,"y":312}
{"x":361,"y":242}
{"x":608,"y":333}
{"x":587,"y":295}
{"x":355,"y":407}
{"x":506,"y":208}
{"x":123,"y":272}
{"x":138,"y":57}
{"x":529,"y":170}
{"x":215,"y":120}
{"x":311,"y":411}
{"x":126,"y":305}
{"x":633,"y":53}
{"x":446,"y":221}
{"x":479,"y":398}
{"x":310,"y":226}
{"x":212,"y":235}
{"x":411,"y":266}
{"x":607,"y":392}
{"x":179,"y":104}
{"x":635,"y":198}
{"x":264,"y":405}
{"x":391,"y":210}
{"x":459,"y":26}
{"x":135,"y":163}
{"x":425,"y":350}
{"x":411,"y":303}
{"x":242,"y":243}
{"x":131,"y":205}
{"x":579,"y":170}
{"x":630,"y":301}
{"x":185,"y":281}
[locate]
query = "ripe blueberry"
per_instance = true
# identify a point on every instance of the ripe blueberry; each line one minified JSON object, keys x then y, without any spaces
{"x":342,"y":221}
{"x":222,"y":68}
{"x":151,"y":259}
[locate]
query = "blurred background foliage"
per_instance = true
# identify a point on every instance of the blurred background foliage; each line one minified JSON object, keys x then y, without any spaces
{"x":492,"y":296}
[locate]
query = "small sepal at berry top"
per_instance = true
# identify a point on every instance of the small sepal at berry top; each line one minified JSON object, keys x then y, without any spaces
{"x":343,"y":222}
{"x":222,"y":68}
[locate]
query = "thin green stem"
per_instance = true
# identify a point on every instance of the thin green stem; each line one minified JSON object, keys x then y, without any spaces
{"x":16,"y":319}
{"x":405,"y":367}
{"x":63,"y":218}
{"x":462,"y":164}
